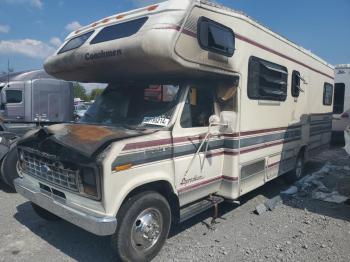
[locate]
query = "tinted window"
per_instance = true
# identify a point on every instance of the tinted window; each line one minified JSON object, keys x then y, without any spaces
{"x":266,"y":80}
{"x":76,"y":42}
{"x":215,"y":37}
{"x":327,"y":94}
{"x":118,"y":31}
{"x":339,"y":94}
{"x":13,"y":96}
{"x":296,"y":84}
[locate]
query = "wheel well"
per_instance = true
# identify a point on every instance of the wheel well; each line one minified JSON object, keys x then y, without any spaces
{"x":302,"y":150}
{"x":164,"y":188}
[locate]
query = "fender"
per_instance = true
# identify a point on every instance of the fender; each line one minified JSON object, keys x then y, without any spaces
{"x":139,"y":180}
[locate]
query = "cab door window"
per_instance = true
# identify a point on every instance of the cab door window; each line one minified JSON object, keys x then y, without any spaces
{"x":198,"y":108}
{"x":14,"y":96}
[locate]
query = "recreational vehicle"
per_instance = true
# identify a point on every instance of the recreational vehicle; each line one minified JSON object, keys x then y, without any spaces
{"x":203,"y":105}
{"x":341,"y":108}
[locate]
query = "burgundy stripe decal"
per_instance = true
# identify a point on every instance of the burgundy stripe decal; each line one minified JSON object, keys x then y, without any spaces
{"x":205,"y":182}
{"x":168,"y":141}
{"x":266,"y":146}
{"x":230,"y":178}
{"x":252,"y":42}
{"x":161,"y":142}
{"x":279,"y":162}
{"x":274,"y":164}
{"x":231,"y":153}
{"x":178,"y":28}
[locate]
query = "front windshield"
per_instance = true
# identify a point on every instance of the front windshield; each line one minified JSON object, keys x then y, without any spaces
{"x":137,"y":106}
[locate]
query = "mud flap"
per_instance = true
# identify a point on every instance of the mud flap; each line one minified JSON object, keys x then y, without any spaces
{"x":347,"y":140}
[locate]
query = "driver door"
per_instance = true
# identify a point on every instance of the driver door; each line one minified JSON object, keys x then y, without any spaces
{"x":197,"y":175}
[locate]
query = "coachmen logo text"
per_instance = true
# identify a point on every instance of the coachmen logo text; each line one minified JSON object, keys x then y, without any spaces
{"x":102,"y":54}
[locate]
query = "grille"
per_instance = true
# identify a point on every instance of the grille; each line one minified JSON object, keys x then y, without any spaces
{"x":49,"y":171}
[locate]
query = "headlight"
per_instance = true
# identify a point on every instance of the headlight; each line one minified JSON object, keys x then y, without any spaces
{"x":89,"y":182}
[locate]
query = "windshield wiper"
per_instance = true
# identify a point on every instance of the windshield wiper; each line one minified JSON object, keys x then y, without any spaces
{"x":126,"y":126}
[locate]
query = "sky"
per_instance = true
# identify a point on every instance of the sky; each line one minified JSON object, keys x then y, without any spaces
{"x":31,"y":30}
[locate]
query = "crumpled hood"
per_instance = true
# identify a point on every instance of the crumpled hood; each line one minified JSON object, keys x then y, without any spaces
{"x":83,"y":138}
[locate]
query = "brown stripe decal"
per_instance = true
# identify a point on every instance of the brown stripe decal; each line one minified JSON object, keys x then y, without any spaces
{"x":206,"y":182}
{"x":252,"y":42}
{"x":162,"y":142}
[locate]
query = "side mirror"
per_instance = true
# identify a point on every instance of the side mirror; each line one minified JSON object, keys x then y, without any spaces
{"x":214,"y":120}
{"x":227,"y":121}
{"x":3,"y":100}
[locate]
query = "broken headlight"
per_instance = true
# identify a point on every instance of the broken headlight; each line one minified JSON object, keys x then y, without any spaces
{"x":89,"y":182}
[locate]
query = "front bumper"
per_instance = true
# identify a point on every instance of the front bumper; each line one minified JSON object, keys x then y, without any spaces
{"x":94,"y":223}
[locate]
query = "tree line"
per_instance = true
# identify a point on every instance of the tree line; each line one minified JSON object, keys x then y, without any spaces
{"x":80,"y":92}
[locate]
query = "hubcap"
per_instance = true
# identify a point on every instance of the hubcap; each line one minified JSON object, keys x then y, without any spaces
{"x":146,"y":229}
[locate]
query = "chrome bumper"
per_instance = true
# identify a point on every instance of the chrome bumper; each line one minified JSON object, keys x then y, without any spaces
{"x":98,"y":225}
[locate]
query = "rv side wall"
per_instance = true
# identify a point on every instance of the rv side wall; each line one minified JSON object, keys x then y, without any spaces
{"x":273,"y":132}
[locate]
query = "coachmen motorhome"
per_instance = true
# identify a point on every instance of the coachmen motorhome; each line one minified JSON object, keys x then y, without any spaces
{"x":341,"y":108}
{"x":203,"y":105}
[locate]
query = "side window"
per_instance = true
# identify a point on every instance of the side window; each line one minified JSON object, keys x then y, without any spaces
{"x":198,"y":108}
{"x":327,"y":94}
{"x":266,"y":80}
{"x":295,"y":84}
{"x":14,"y":96}
{"x":215,"y":37}
{"x":339,"y":95}
{"x":118,"y":31}
{"x":76,"y":42}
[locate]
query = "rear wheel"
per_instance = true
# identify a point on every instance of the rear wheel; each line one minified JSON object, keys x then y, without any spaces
{"x":143,"y":227}
{"x":44,"y":214}
{"x":298,"y":172}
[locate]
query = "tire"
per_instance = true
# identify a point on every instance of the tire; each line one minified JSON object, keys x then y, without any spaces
{"x":44,"y":214}
{"x":298,"y":172}
{"x":129,"y":242}
{"x":9,"y":167}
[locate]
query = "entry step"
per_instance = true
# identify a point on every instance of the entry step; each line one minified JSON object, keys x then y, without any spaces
{"x":199,"y":207}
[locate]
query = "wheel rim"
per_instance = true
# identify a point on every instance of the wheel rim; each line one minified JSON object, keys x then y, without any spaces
{"x":146,"y":229}
{"x":299,"y":168}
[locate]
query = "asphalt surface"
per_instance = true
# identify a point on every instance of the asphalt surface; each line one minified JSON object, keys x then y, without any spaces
{"x":299,"y":229}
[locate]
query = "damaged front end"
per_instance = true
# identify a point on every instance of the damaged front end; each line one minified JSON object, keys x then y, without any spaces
{"x":65,"y":157}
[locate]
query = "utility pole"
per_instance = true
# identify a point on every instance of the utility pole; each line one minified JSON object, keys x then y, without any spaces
{"x":8,"y":71}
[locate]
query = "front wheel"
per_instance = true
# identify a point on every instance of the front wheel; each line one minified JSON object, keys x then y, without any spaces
{"x":143,"y":227}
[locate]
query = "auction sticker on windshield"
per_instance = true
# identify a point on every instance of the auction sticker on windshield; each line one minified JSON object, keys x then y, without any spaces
{"x":157,"y":121}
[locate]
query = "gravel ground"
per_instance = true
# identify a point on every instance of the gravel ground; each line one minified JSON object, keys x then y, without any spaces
{"x":299,"y":229}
